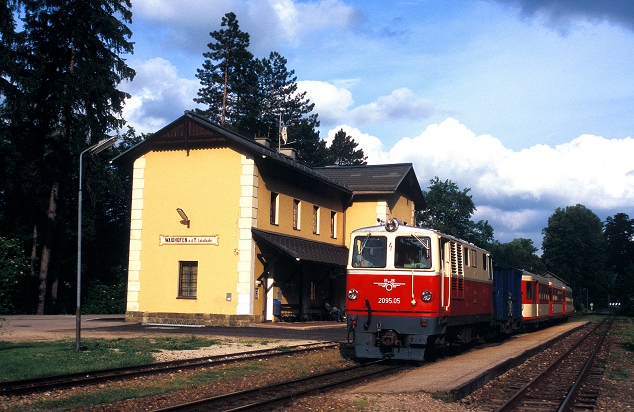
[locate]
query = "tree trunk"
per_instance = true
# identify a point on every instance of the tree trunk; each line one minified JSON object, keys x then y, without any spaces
{"x":34,"y":252}
{"x":224,"y":95}
{"x":46,"y":249}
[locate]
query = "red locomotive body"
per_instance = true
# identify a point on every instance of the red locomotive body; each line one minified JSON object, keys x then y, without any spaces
{"x":410,"y":288}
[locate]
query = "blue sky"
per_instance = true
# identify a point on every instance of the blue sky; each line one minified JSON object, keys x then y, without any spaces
{"x":529,"y":103}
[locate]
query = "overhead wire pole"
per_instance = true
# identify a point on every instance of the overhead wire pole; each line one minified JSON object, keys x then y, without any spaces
{"x":94,"y":149}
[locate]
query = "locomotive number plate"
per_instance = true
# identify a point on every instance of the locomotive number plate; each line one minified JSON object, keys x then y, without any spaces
{"x":393,"y":301}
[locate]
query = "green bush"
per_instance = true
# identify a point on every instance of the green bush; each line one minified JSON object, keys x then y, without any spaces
{"x":16,"y":282}
{"x":104,"y":299}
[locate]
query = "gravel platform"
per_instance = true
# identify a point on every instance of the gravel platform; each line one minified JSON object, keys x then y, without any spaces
{"x":463,"y":373}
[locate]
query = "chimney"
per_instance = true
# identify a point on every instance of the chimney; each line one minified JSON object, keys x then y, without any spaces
{"x":264,"y":141}
{"x":290,"y":152}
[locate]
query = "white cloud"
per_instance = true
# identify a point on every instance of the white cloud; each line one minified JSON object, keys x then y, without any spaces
{"x":590,"y":170}
{"x":516,"y":191}
{"x":334,"y":104}
{"x":187,"y":23}
{"x":159,"y":95}
{"x":331,"y":102}
{"x":299,"y":19}
{"x":400,"y":104}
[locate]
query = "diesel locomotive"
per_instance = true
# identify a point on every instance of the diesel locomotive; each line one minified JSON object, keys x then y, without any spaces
{"x":411,"y":289}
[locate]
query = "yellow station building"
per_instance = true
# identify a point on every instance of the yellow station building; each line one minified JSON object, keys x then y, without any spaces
{"x":227,"y":231}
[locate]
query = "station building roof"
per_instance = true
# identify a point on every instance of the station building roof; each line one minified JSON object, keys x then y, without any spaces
{"x":378,"y":180}
{"x":304,"y":249}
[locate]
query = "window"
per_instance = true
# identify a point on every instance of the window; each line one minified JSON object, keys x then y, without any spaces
{"x":369,"y":251}
{"x":275,"y":208}
{"x":297,"y":211}
{"x":474,"y":258}
{"x":466,"y":257}
{"x":529,"y":291}
{"x":187,"y":279}
{"x":316,"y":220}
{"x":484,"y":261}
{"x":333,"y":224}
{"x":412,"y":252}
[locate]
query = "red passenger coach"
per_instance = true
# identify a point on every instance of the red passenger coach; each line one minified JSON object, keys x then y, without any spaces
{"x":545,"y":299}
{"x":411,"y":288}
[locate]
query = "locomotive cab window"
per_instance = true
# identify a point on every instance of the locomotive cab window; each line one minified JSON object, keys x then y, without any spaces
{"x":369,"y":251}
{"x":412,"y":252}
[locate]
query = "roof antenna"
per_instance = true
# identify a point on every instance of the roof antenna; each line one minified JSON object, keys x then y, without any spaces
{"x":283,"y":132}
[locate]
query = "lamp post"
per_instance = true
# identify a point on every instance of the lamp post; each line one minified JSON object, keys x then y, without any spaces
{"x":94,"y":149}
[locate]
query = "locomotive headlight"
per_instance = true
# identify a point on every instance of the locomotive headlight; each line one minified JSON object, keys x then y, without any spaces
{"x":353,"y":294}
{"x":426,"y":296}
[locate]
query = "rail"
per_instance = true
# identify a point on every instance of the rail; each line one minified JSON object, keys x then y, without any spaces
{"x":47,"y":383}
{"x":560,"y":379}
{"x":256,"y":399}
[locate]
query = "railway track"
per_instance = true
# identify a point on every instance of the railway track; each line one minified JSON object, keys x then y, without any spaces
{"x":266,"y":397}
{"x":47,"y":383}
{"x":570,"y":382}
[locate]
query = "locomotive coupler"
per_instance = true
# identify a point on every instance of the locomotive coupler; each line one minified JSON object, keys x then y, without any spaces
{"x":390,"y":339}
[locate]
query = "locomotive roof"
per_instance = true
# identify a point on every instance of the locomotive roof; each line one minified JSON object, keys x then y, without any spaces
{"x":406,"y":229}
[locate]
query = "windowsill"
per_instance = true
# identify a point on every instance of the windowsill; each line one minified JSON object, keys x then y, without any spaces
{"x":186,"y":297}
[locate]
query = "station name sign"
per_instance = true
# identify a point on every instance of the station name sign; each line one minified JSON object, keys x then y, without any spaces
{"x":188,"y":240}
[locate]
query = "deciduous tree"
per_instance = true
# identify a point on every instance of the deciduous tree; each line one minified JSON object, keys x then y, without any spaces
{"x":619,"y":233}
{"x":518,"y":253}
{"x":575,"y":250}
{"x":449,"y":210}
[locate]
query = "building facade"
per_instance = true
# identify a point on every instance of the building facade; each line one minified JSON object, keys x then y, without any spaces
{"x":227,"y":231}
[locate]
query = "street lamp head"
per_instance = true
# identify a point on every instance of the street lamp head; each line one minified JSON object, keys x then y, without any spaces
{"x":103,"y":144}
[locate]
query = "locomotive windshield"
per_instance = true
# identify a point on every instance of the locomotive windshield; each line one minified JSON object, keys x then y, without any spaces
{"x":412,"y":252}
{"x":369,"y":251}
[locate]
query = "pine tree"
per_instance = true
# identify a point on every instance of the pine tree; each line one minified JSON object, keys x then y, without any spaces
{"x":343,"y":151}
{"x":65,"y":99}
{"x":227,"y":77}
{"x":251,"y":95}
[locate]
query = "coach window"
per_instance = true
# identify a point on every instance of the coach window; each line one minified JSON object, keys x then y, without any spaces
{"x":474,"y":258}
{"x":412,"y":252}
{"x":187,"y":279}
{"x":529,"y":291}
{"x":466,"y":256}
{"x":369,"y":251}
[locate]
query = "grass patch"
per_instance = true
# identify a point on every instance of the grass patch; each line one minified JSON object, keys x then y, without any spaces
{"x":619,"y":373}
{"x":33,"y":359}
{"x":361,"y":404}
{"x":446,"y":397}
{"x":621,"y":360}
{"x":226,"y":375}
